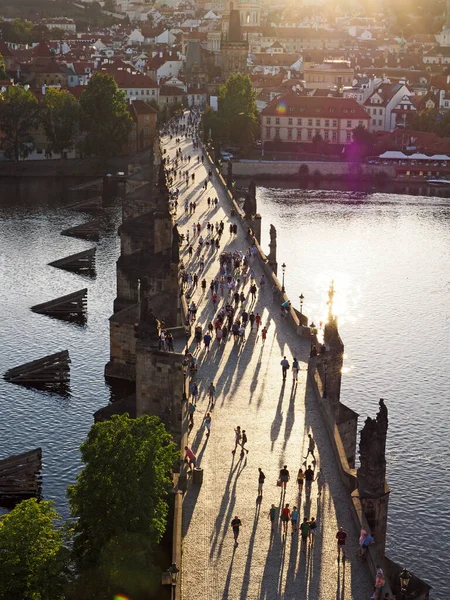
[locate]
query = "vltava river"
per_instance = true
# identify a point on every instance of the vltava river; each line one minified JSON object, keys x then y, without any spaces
{"x":389,"y":256}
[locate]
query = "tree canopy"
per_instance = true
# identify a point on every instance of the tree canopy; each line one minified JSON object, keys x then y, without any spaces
{"x":34,"y":559}
{"x":237,"y":119}
{"x":105,"y":117}
{"x":19,"y":115}
{"x":120,"y":501}
{"x":60,"y":119}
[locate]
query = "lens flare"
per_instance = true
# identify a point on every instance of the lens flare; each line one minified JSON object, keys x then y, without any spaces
{"x":281,"y":108}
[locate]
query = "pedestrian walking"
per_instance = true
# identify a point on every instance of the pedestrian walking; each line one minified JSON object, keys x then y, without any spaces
{"x":237,"y":438}
{"x":304,"y":529}
{"x":300,"y":480}
{"x":212,"y":393}
{"x":309,"y":478}
{"x":294,"y":519}
{"x":284,"y":477}
{"x":252,"y":320}
{"x":264,"y":334}
{"x":285,"y":517}
{"x":261,"y":479}
{"x":284,"y":367}
{"x":208,"y":424}
{"x":295,"y":370}
{"x":207,"y":341}
{"x":236,"y":524}
{"x":312,"y":529}
{"x":311,"y":447}
{"x":191,"y":411}
{"x":194,"y":392}
{"x":341,"y":536}
{"x":243,"y":442}
{"x":253,"y":290}
{"x":272,"y":517}
{"x":257,"y":321}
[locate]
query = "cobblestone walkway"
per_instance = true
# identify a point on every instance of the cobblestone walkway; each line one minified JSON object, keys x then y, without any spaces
{"x":277,"y":419}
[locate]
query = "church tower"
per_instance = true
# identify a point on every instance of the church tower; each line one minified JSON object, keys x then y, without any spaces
{"x":234,"y":48}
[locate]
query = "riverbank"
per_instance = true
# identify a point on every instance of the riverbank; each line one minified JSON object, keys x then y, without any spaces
{"x":77,"y":167}
{"x":282,"y":170}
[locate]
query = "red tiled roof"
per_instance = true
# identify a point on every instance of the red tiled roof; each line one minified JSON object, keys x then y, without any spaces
{"x":313,"y":106}
{"x":143,"y":108}
{"x":125,"y":79}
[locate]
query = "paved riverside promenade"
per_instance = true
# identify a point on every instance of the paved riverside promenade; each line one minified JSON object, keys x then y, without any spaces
{"x":277,"y":418}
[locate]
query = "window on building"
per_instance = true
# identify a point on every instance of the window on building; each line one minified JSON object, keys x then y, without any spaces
{"x":309,"y":134}
{"x":268,"y":132}
{"x":277,"y":120}
{"x":153,"y":92}
{"x":268,"y":120}
{"x":380,"y":111}
{"x":380,"y":122}
{"x":349,"y":136}
{"x":309,"y":122}
{"x":289,"y":134}
{"x":146,"y":130}
{"x":317,"y":122}
{"x":360,"y":123}
{"x":334,"y":135}
{"x":326,"y":135}
{"x":327,"y":122}
{"x":277,"y":132}
{"x":289,"y":121}
{"x":148,"y":92}
{"x":374,"y":121}
{"x":349,"y":124}
{"x":334,"y":123}
{"x":299,"y":121}
{"x":133,"y":135}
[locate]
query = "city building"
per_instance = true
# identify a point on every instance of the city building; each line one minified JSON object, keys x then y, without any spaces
{"x":295,"y":118}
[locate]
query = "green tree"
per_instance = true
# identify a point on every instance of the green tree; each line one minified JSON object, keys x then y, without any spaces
{"x":424,"y":120}
{"x":19,"y":115}
{"x":120,"y":501}
{"x":104,"y":117}
{"x":34,"y":556}
{"x":109,"y":5}
{"x":2,"y":68}
{"x":238,"y":112}
{"x":60,"y":118}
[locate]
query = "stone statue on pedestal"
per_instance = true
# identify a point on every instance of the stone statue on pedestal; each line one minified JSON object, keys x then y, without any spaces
{"x":250,"y":201}
{"x":175,"y":245}
{"x":148,"y":326}
{"x":372,"y":452}
{"x":272,"y":258}
{"x":230,"y":175}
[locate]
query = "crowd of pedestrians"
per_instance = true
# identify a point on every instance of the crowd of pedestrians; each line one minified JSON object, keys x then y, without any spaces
{"x":231,"y":296}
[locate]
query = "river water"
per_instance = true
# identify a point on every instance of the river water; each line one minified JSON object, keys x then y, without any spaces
{"x":32,"y":216}
{"x":389,"y":257}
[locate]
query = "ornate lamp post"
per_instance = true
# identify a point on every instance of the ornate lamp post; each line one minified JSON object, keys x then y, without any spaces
{"x":312,"y":328}
{"x":283,"y":266}
{"x":302,"y":297}
{"x":325,"y":372}
{"x":405,"y":578}
{"x":173,"y":570}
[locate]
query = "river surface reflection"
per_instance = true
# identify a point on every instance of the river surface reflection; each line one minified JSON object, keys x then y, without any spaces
{"x":32,"y":215}
{"x":389,"y":257}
